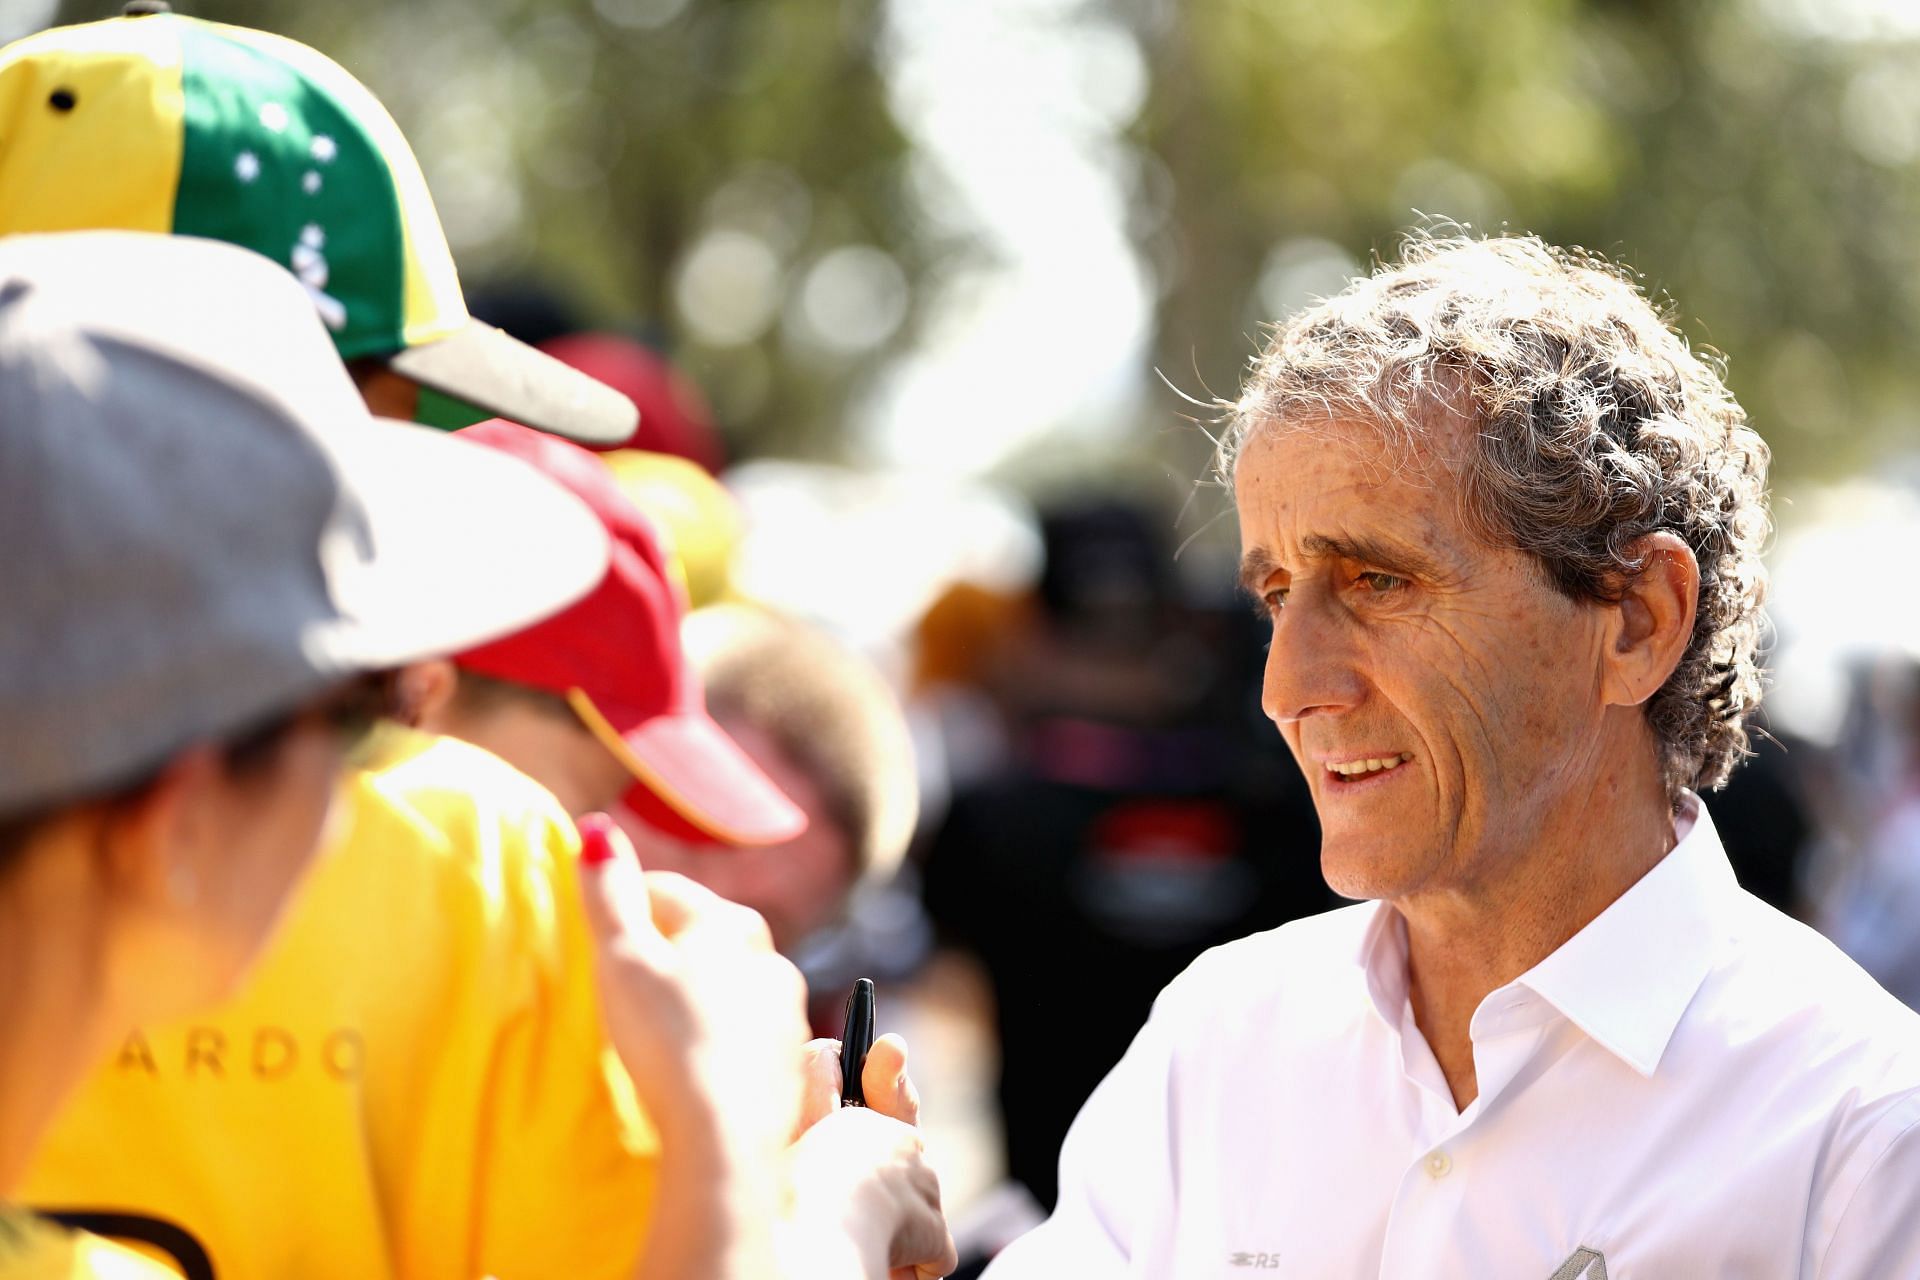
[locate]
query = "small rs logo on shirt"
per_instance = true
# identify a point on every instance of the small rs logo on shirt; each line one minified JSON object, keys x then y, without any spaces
{"x":1259,"y":1261}
{"x":1585,"y":1264}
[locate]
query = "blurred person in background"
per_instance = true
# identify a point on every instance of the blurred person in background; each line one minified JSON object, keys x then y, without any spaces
{"x":600,"y":700}
{"x":1507,"y":529}
{"x":675,"y":418}
{"x":180,"y":675}
{"x":1766,"y":820}
{"x":960,"y":645}
{"x":1873,"y":912}
{"x":1139,"y":821}
{"x":470,"y":1119}
{"x":694,"y":513}
{"x":822,"y":723}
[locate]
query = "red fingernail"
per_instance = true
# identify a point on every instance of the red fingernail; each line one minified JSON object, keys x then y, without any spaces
{"x":596,"y":839}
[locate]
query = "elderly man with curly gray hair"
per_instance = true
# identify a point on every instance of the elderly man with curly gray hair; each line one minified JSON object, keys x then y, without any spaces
{"x":1506,"y":528}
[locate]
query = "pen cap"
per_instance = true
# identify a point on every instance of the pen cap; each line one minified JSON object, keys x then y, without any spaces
{"x":856,"y":1038}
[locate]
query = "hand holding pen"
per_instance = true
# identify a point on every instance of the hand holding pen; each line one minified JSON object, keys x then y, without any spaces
{"x":882,"y":1085}
{"x":698,"y":1006}
{"x":870,"y":1103}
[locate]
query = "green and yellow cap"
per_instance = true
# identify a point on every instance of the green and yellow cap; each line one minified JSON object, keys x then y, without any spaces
{"x":158,"y":122}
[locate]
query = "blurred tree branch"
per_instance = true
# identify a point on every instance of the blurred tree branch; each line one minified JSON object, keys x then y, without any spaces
{"x":1763,"y":178}
{"x":582,"y":144}
{"x":1768,"y":179}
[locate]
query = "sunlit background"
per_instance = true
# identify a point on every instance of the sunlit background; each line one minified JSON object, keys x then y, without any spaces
{"x":1003,"y":239}
{"x":941,"y":264}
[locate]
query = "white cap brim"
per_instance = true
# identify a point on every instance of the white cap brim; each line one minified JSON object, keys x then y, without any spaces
{"x":505,"y":378}
{"x":462,"y":545}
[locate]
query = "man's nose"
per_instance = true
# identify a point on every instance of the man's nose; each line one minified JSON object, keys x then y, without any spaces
{"x":1312,"y":665}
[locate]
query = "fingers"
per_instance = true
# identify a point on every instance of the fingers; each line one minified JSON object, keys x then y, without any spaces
{"x":615,"y":893}
{"x":883,"y":1080}
{"x":857,"y":1146}
{"x":885,"y":1083}
{"x":949,"y":1262}
{"x":930,"y":1247}
{"x":821,"y":1096}
{"x":677,"y":901}
{"x":922,"y":1241}
{"x":691,"y":913}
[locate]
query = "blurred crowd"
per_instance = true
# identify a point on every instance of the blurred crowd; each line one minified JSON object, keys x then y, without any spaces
{"x":1099,"y":798}
{"x":1003,"y":754}
{"x":1101,"y":801}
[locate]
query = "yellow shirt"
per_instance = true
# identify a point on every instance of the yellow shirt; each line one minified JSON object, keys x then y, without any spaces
{"x":415,"y":1082}
{"x":31,"y":1248}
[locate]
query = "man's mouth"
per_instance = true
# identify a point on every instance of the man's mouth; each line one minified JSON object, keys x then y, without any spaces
{"x":1367,"y":766}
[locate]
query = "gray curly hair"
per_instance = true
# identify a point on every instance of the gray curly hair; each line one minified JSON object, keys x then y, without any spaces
{"x":1597,"y":425}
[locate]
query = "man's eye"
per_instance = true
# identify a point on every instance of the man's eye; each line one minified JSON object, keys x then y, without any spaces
{"x":1275,"y":599}
{"x":1381,"y":583}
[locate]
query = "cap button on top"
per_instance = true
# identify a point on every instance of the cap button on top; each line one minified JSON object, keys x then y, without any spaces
{"x":144,"y":8}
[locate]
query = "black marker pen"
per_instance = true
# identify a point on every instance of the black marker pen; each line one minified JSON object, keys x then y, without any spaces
{"x":855,"y":1039}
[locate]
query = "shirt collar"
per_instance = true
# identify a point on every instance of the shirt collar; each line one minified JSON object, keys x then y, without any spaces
{"x":1626,"y":979}
{"x":1628,"y":976}
{"x":1382,"y":958}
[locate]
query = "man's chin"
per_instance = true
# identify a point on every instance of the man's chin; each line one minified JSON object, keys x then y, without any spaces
{"x":1364,"y":870}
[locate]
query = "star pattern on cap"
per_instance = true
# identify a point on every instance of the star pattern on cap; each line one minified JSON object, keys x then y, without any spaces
{"x":307,"y":257}
{"x":310,"y":265}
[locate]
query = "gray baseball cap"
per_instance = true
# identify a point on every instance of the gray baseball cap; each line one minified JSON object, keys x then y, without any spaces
{"x":200,"y":523}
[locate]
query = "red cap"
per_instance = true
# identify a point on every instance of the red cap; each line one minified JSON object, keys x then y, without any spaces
{"x":616,"y":657}
{"x":674,"y":416}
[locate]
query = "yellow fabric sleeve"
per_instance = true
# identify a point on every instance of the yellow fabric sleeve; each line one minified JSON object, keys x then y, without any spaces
{"x":546,"y":1165}
{"x":413,"y":1084}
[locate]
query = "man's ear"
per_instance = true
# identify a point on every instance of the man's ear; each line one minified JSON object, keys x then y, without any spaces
{"x":424,"y":693}
{"x":153,"y":840}
{"x":1652,"y":620}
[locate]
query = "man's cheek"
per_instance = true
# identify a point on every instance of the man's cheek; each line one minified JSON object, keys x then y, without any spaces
{"x":1290,"y":734}
{"x":1476,"y":641}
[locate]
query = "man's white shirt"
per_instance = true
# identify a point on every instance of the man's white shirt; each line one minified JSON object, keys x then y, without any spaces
{"x":1694,"y":1085}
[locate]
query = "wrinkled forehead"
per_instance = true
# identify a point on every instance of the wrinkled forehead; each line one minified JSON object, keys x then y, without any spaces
{"x":1425,"y":448}
{"x":1308,"y":490}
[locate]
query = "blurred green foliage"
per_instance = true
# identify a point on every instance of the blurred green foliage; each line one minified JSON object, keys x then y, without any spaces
{"x":1763,"y":174}
{"x":593,"y":145}
{"x":1764,"y":177}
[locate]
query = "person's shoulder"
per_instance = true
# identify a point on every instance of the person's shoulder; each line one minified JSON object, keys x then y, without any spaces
{"x":1300,"y":964}
{"x":464,"y":818}
{"x":436,"y":775}
{"x":460,"y":793}
{"x":1828,"y":1049}
{"x":1788,"y":967}
{"x":1784,"y":991}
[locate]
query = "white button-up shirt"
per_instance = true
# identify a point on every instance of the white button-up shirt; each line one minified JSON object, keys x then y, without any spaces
{"x":1694,"y":1085}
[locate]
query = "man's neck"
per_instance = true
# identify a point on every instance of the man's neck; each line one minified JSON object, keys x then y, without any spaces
{"x":50,"y":1010}
{"x":1462,"y":946}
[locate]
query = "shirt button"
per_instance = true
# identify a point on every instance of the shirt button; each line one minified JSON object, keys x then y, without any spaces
{"x":1439,"y":1165}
